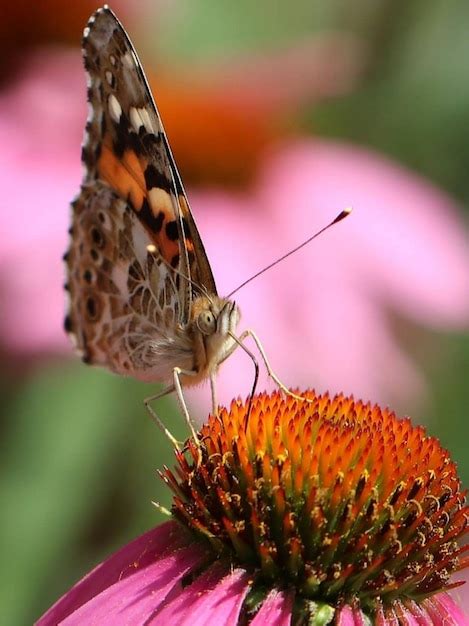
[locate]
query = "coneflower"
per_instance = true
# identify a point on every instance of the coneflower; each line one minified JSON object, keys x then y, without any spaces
{"x":292,"y":513}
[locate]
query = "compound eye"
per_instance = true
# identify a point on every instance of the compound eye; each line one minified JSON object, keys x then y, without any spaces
{"x":206,"y":323}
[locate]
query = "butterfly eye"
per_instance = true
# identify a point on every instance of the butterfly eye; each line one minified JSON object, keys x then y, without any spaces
{"x":206,"y":322}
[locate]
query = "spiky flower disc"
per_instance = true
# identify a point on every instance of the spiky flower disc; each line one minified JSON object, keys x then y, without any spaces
{"x":338,"y":499}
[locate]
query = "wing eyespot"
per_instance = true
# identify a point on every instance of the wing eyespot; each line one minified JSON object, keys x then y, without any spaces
{"x":97,"y":237}
{"x":92,"y":308}
{"x":88,"y":276}
{"x":68,"y":326}
{"x":172,"y":230}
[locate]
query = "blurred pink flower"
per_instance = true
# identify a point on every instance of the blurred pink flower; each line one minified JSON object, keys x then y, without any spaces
{"x":322,"y":314}
{"x":325,"y":311}
{"x":41,"y":129}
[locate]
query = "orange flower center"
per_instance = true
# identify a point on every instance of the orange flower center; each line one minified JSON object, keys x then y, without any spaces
{"x":337,"y":497}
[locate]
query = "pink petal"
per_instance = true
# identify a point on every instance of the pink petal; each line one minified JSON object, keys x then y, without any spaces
{"x":380,"y":617}
{"x":444,"y":611}
{"x":131,"y":583}
{"x":390,"y":619}
{"x":460,"y":594}
{"x":215,"y":597}
{"x":418,"y":612}
{"x":346,"y":617}
{"x":404,"y":615}
{"x":276,"y":610}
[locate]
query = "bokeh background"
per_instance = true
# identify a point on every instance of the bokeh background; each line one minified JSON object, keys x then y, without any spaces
{"x":280,"y":115}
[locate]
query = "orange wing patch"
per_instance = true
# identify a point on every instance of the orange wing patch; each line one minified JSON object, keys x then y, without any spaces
{"x":128,"y":176}
{"x":124,"y":175}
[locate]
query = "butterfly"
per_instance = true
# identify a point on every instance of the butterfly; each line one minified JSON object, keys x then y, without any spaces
{"x":142,"y":297}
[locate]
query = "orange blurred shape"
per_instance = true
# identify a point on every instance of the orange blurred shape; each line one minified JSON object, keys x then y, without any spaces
{"x":214,"y":139}
{"x":221,"y":119}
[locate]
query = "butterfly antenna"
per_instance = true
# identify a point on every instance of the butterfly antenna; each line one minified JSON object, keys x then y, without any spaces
{"x":342,"y":215}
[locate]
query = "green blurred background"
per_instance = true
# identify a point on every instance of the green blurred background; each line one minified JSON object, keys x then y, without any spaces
{"x":78,"y":456}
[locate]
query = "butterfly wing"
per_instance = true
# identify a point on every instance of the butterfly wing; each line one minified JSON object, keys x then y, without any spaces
{"x":134,"y":242}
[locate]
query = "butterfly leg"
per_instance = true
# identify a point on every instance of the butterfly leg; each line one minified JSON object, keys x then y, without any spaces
{"x":213,"y":390}
{"x":177,"y":387}
{"x":250,"y":333}
{"x":238,"y":343}
{"x":176,"y":444}
{"x":177,"y":373}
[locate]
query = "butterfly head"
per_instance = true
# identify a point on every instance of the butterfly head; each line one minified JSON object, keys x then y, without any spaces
{"x":214,"y":320}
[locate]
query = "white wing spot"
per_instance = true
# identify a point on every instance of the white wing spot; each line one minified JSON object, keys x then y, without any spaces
{"x":115,"y":108}
{"x":109,"y":77}
{"x":86,"y":32}
{"x":113,"y":59}
{"x":160,"y":200}
{"x":129,"y":60}
{"x":135,"y":119}
{"x":146,"y":119}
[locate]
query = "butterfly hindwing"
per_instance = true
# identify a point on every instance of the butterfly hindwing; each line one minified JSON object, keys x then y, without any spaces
{"x":124,"y":304}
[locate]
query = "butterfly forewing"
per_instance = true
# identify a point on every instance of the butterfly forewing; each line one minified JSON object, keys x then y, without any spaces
{"x":128,"y":149}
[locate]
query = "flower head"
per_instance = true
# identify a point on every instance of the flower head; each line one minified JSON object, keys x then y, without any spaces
{"x":322,"y":511}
